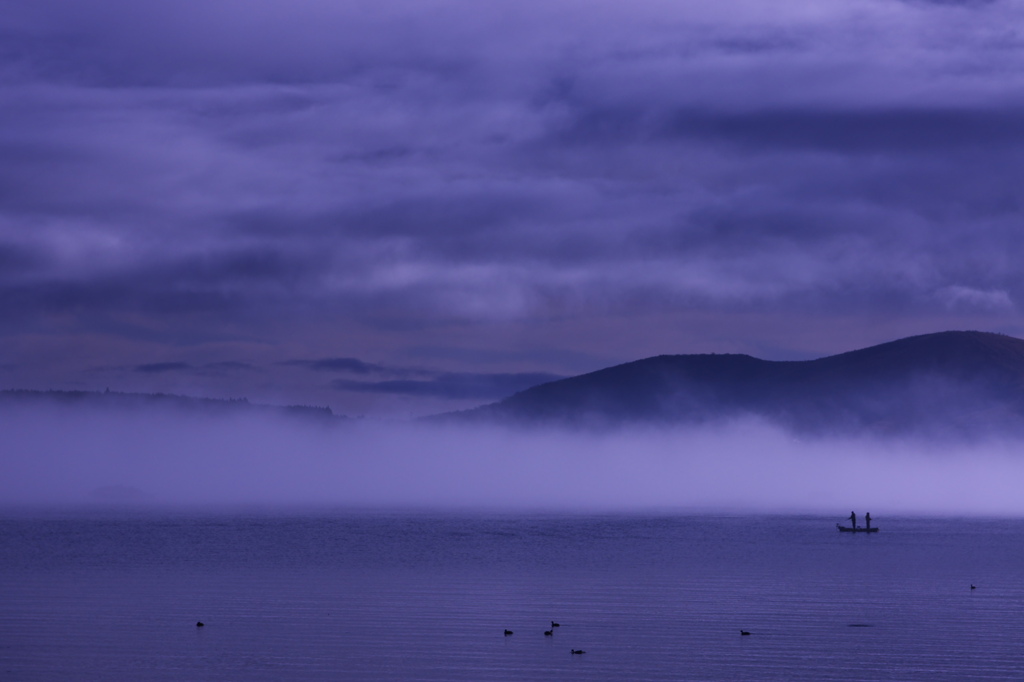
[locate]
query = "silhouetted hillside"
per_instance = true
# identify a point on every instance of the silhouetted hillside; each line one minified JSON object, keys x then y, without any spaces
{"x":128,"y":401}
{"x":962,"y":381}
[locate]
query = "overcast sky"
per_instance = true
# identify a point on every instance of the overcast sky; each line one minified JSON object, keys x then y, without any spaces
{"x":403,"y":207}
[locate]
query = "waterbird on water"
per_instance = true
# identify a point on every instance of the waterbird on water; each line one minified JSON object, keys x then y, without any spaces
{"x":973,"y":587}
{"x":744,"y":632}
{"x":555,"y":625}
{"x":199,"y":623}
{"x":508,"y":632}
{"x":548,"y":633}
{"x":578,"y":651}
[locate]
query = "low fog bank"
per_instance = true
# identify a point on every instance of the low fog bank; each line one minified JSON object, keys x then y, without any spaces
{"x":68,"y":457}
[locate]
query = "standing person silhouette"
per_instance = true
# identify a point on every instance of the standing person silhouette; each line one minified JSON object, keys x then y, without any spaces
{"x":853,"y":520}
{"x":867,"y":520}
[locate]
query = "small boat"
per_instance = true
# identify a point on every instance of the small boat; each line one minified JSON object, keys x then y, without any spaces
{"x":858,"y":529}
{"x":854,"y":528}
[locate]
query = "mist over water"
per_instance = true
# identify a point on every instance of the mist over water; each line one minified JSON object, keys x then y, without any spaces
{"x":58,"y":456}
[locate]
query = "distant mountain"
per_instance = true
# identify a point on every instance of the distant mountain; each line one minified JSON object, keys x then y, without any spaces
{"x":950,"y":381}
{"x":127,"y":401}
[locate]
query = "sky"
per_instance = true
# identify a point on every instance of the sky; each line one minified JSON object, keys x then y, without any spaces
{"x":397,"y":208}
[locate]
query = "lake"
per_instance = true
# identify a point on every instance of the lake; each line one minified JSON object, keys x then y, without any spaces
{"x":416,"y":596}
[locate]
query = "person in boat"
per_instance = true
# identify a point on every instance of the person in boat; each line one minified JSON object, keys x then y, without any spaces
{"x":853,"y":520}
{"x":867,"y":520}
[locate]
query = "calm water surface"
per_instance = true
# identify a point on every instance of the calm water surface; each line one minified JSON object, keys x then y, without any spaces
{"x":427,"y":597}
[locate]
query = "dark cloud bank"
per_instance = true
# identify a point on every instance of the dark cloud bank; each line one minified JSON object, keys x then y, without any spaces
{"x":193,"y":195}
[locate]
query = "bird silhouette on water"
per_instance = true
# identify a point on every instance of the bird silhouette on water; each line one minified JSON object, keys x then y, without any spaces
{"x":973,"y":587}
{"x":578,"y":651}
{"x":744,"y":632}
{"x":548,"y":633}
{"x":555,"y":625}
{"x":508,"y":632}
{"x":200,"y":624}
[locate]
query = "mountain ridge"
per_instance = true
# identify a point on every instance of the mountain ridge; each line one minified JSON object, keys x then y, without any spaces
{"x":955,"y":380}
{"x":126,"y":400}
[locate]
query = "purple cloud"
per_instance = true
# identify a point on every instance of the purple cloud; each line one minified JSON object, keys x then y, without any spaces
{"x":451,"y":385}
{"x":518,"y":183}
{"x":160,"y":367}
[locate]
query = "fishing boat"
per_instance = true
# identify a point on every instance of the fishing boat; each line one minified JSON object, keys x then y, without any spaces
{"x":858,"y":529}
{"x":854,"y":528}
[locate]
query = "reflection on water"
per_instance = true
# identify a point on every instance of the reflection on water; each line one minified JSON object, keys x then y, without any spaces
{"x":419,"y":597}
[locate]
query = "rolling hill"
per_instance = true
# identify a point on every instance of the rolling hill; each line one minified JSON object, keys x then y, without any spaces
{"x":123,"y":402}
{"x":969,"y":382}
